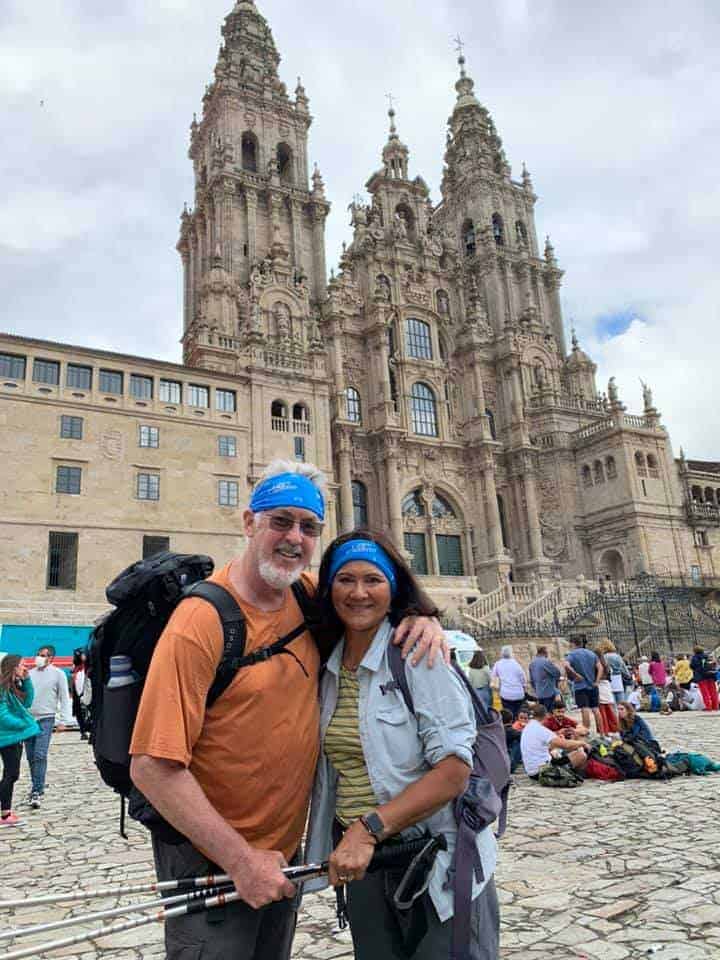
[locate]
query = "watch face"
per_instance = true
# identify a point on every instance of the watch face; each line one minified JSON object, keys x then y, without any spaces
{"x":374,"y":824}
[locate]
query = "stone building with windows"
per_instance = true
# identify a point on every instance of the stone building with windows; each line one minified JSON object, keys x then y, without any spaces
{"x":430,"y":378}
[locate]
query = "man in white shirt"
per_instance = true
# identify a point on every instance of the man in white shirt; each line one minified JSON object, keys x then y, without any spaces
{"x":51,"y":691}
{"x":537,"y":741}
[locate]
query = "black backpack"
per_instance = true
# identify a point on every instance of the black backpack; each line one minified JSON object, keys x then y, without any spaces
{"x":484,"y":801}
{"x":145,"y":594}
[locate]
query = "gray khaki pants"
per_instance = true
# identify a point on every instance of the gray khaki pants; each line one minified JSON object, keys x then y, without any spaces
{"x":234,"y":932}
{"x":375,"y":931}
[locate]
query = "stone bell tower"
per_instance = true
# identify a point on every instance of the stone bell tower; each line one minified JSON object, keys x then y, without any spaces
{"x":253,"y":248}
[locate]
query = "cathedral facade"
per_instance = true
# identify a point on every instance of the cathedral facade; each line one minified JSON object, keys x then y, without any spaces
{"x":430,"y":378}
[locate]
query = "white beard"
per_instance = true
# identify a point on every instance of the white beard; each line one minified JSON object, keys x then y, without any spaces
{"x":276,"y":578}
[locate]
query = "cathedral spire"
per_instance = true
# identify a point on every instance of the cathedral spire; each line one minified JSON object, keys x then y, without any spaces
{"x":395,"y":154}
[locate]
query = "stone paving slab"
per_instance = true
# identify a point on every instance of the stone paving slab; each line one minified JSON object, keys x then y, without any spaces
{"x":613,"y":871}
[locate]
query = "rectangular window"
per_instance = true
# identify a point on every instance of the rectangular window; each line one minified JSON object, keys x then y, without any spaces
{"x":153,"y":545}
{"x":46,"y":371}
{"x":68,"y":480}
{"x":450,"y":562}
{"x":141,"y":387}
{"x":299,"y":448}
{"x":225,"y":401}
{"x":149,"y":436}
{"x":111,"y":381}
{"x":415,"y":546}
{"x":71,"y":428}
{"x":78,"y":377}
{"x":170,"y":391}
{"x":198,"y":396}
{"x":418,"y":340}
{"x":227,"y":447}
{"x":148,"y":486}
{"x":12,"y":366}
{"x":62,"y":561}
{"x":228,"y":493}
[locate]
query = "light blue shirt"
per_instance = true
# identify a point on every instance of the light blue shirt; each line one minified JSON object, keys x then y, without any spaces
{"x":399,"y":749}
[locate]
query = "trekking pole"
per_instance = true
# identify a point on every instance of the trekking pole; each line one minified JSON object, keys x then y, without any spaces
{"x":112,"y":912}
{"x":197,"y":906}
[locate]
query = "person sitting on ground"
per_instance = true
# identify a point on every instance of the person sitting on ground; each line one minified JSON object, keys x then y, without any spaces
{"x":634,"y":698}
{"x":677,"y":698}
{"x":536,"y":742}
{"x":523,"y":718}
{"x":585,"y":670}
{"x":657,"y":670}
{"x":558,"y":721}
{"x":512,"y":740}
{"x":696,"y":699}
{"x":682,"y":671}
{"x":513,"y":681}
{"x":633,"y":727}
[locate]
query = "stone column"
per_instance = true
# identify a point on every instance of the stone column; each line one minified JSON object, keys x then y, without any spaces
{"x":187,"y":286}
{"x":494,"y":528}
{"x":533,"y":513}
{"x":320,"y":271}
{"x":392,"y":473}
{"x":296,"y":216}
{"x":347,"y":514}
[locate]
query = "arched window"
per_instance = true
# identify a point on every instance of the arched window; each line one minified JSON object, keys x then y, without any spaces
{"x":610,"y":468}
{"x":424,"y":410}
{"x":468,"y":238}
{"x":652,"y":465}
{"x":521,"y":233}
{"x":709,"y":495}
{"x":586,"y":474}
{"x":491,"y":423}
{"x":301,"y":418}
{"x":352,"y":405}
{"x":279,"y":416}
{"x":498,"y":229}
{"x":418,"y":339}
{"x":285,"y":163}
{"x":413,"y":505}
{"x":441,"y":509}
{"x":359,"y":500}
{"x":598,"y":472}
{"x":697,"y":494}
{"x":249,"y":152}
{"x":640,"y":464}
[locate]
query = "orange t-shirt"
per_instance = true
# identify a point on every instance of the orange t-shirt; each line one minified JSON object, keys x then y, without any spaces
{"x":254,"y":751}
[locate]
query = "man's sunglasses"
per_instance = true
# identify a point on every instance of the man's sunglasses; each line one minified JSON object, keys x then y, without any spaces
{"x":308,"y":528}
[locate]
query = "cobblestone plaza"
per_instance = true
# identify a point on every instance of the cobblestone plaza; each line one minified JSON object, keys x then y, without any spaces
{"x":608,"y":871}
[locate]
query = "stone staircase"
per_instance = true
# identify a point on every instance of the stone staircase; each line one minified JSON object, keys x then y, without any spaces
{"x":525,"y":604}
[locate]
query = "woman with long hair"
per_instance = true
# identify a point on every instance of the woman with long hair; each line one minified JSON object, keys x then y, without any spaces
{"x":387,"y":772}
{"x":633,"y":726}
{"x":479,"y":676}
{"x":16,"y":725}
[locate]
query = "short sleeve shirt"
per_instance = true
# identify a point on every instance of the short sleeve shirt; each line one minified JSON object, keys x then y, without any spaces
{"x":535,"y":743}
{"x":254,"y":751}
{"x":583,"y":662}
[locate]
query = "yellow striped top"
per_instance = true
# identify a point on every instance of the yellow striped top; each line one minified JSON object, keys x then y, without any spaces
{"x":355,"y":795}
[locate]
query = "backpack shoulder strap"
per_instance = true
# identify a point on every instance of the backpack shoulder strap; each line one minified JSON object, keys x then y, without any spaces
{"x":397,"y":668}
{"x":234,"y":633}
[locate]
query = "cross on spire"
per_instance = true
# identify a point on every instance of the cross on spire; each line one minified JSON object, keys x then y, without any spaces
{"x":459,"y":45}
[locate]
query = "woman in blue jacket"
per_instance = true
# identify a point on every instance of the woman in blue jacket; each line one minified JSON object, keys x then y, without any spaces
{"x":16,"y":725}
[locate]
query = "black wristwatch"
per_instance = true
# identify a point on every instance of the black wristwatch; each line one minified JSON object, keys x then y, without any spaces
{"x":374,"y":825}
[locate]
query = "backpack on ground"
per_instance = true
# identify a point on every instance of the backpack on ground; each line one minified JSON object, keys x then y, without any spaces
{"x":639,"y":759}
{"x":145,"y":595}
{"x":559,"y":775}
{"x":484,"y":801}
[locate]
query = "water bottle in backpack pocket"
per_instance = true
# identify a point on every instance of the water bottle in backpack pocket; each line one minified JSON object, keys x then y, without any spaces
{"x":120,"y":699}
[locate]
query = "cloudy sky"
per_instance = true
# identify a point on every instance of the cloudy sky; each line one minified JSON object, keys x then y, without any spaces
{"x":613,"y":106}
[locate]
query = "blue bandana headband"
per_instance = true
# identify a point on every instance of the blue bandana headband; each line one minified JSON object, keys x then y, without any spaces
{"x":370,"y":552}
{"x":288,"y":490}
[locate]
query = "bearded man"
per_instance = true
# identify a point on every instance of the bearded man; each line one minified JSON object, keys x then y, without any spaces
{"x":234,"y":779}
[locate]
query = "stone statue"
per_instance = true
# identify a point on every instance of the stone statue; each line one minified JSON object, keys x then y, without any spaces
{"x":255,"y":317}
{"x":282,"y":321}
{"x":399,"y":227}
{"x":612,"y":391}
{"x":382,"y":288}
{"x":647,"y":396}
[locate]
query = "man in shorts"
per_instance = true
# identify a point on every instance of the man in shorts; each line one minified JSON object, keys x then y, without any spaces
{"x":235,"y":779}
{"x":585,"y":670}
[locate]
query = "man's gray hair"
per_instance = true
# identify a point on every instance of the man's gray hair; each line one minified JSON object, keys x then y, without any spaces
{"x":314,"y":474}
{"x":506,"y":651}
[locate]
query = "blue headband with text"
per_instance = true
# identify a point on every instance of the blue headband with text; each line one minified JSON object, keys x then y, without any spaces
{"x":370,"y":552}
{"x":288,"y":490}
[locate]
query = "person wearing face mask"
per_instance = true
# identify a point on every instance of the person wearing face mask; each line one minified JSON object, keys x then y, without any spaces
{"x":16,"y":725}
{"x":51,"y":694}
